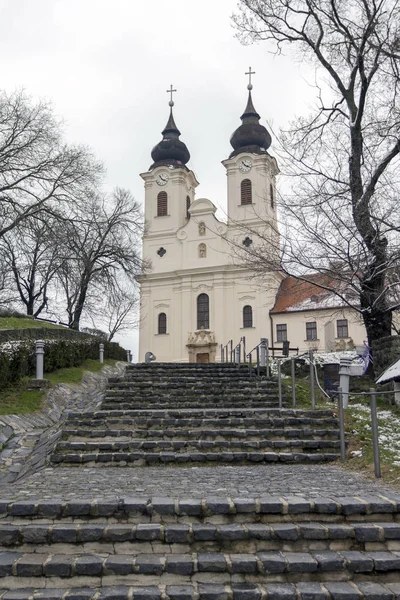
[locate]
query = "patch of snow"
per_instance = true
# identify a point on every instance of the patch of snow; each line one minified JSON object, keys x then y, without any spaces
{"x":392,"y":372}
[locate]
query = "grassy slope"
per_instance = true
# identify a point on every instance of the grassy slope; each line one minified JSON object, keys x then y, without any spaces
{"x":26,"y":323}
{"x":360,"y":457}
{"x":18,"y":400}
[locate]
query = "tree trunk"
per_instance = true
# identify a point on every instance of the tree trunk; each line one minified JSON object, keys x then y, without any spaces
{"x":29,"y":307}
{"x":79,"y":307}
{"x":378,"y":324}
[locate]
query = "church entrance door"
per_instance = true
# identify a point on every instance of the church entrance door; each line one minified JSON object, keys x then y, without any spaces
{"x":203,"y":357}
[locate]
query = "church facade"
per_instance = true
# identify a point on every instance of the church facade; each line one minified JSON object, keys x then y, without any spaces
{"x":196,"y":296}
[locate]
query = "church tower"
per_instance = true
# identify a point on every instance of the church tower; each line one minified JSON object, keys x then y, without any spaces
{"x":169,"y":192}
{"x":251,"y":171}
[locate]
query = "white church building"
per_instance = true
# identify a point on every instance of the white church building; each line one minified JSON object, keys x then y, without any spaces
{"x":195,"y":297}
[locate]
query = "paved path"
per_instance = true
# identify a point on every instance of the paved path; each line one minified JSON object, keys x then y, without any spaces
{"x":110,"y":483}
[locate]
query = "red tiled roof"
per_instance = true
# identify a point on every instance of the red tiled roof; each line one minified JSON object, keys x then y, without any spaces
{"x":295,"y":294}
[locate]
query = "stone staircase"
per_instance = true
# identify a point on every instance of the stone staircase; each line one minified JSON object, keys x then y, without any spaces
{"x":201,"y":549}
{"x":181,"y":414}
{"x":193,"y":548}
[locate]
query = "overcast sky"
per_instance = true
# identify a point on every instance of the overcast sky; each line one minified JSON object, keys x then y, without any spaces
{"x":106,"y":65}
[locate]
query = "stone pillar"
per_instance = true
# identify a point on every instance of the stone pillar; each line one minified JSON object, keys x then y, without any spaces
{"x":344,"y":383}
{"x":39,"y":359}
{"x":396,"y":387}
{"x":101,"y":353}
{"x":263,"y":348}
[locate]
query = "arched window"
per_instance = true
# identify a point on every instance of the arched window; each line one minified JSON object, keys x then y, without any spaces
{"x":271,"y":195}
{"x":162,"y":204}
{"x":247,"y":316}
{"x":203,"y":311}
{"x":187,"y":207}
{"x":245,"y":192}
{"x":162,"y":323}
{"x":202,"y":251}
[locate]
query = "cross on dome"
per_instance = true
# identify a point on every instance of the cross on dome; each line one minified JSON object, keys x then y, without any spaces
{"x":249,"y":73}
{"x":171,"y":91}
{"x":171,"y":151}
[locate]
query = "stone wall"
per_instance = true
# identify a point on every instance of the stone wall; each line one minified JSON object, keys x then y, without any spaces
{"x":385,"y":351}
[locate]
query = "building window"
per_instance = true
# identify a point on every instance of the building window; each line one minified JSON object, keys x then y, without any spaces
{"x":162,"y":323}
{"x":203,"y":311}
{"x":187,"y":207}
{"x":245,"y":192}
{"x":247,"y":316}
{"x":311,"y":331}
{"x":202,"y":251}
{"x":342,"y":328}
{"x":271,"y":195}
{"x":162,"y":204}
{"x":281,"y":333}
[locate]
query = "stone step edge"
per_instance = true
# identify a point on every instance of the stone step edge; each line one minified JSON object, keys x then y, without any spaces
{"x":278,"y":432}
{"x":209,"y":591}
{"x":262,"y":563}
{"x":201,"y":507}
{"x":138,"y":458}
{"x":156,"y":412}
{"x":14,"y":535}
{"x":181,"y":443}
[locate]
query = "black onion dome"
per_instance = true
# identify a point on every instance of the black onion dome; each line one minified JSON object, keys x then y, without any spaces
{"x":250,"y":136}
{"x":170,"y":151}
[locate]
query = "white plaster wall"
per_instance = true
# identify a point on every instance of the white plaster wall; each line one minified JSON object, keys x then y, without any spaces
{"x":228,"y":290}
{"x":296,"y":328}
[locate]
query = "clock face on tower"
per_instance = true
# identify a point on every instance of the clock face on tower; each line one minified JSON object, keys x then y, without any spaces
{"x":162,"y":178}
{"x":245,"y":165}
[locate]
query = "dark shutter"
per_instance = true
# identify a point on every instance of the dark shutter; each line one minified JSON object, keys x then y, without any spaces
{"x":245,"y":192}
{"x":162,"y":204}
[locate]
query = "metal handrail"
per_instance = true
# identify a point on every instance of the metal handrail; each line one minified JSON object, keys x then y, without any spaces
{"x":229,"y":351}
{"x":261,"y":353}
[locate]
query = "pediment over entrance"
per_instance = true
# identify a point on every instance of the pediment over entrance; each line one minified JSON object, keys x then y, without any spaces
{"x":201,"y":341}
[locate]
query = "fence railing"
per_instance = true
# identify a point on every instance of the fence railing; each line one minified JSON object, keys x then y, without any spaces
{"x":258,"y":361}
{"x":374,"y":424}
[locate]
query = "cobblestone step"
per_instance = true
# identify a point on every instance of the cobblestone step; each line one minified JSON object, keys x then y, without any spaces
{"x":237,"y":537}
{"x":256,"y":414}
{"x":194,"y":381}
{"x":177,"y":404}
{"x":208,"y":591}
{"x":138,"y":419}
{"x":265,"y":509}
{"x":323,"y":565}
{"x":168,"y":366}
{"x":141,"y":458}
{"x":182,"y":445}
{"x":201,"y":433}
{"x":222,"y":399}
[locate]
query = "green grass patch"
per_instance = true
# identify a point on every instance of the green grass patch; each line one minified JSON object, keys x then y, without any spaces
{"x":303,"y":394}
{"x":359,"y":436}
{"x":18,"y":400}
{"x":26,"y":323}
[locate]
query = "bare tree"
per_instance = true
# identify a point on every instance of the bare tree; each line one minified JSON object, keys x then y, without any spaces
{"x":342,"y":215}
{"x":37,"y":169}
{"x":31,"y":255}
{"x":121,"y":310}
{"x":100,"y":242}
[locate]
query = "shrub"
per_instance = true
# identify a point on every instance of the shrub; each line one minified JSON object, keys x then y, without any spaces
{"x":18,"y":359}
